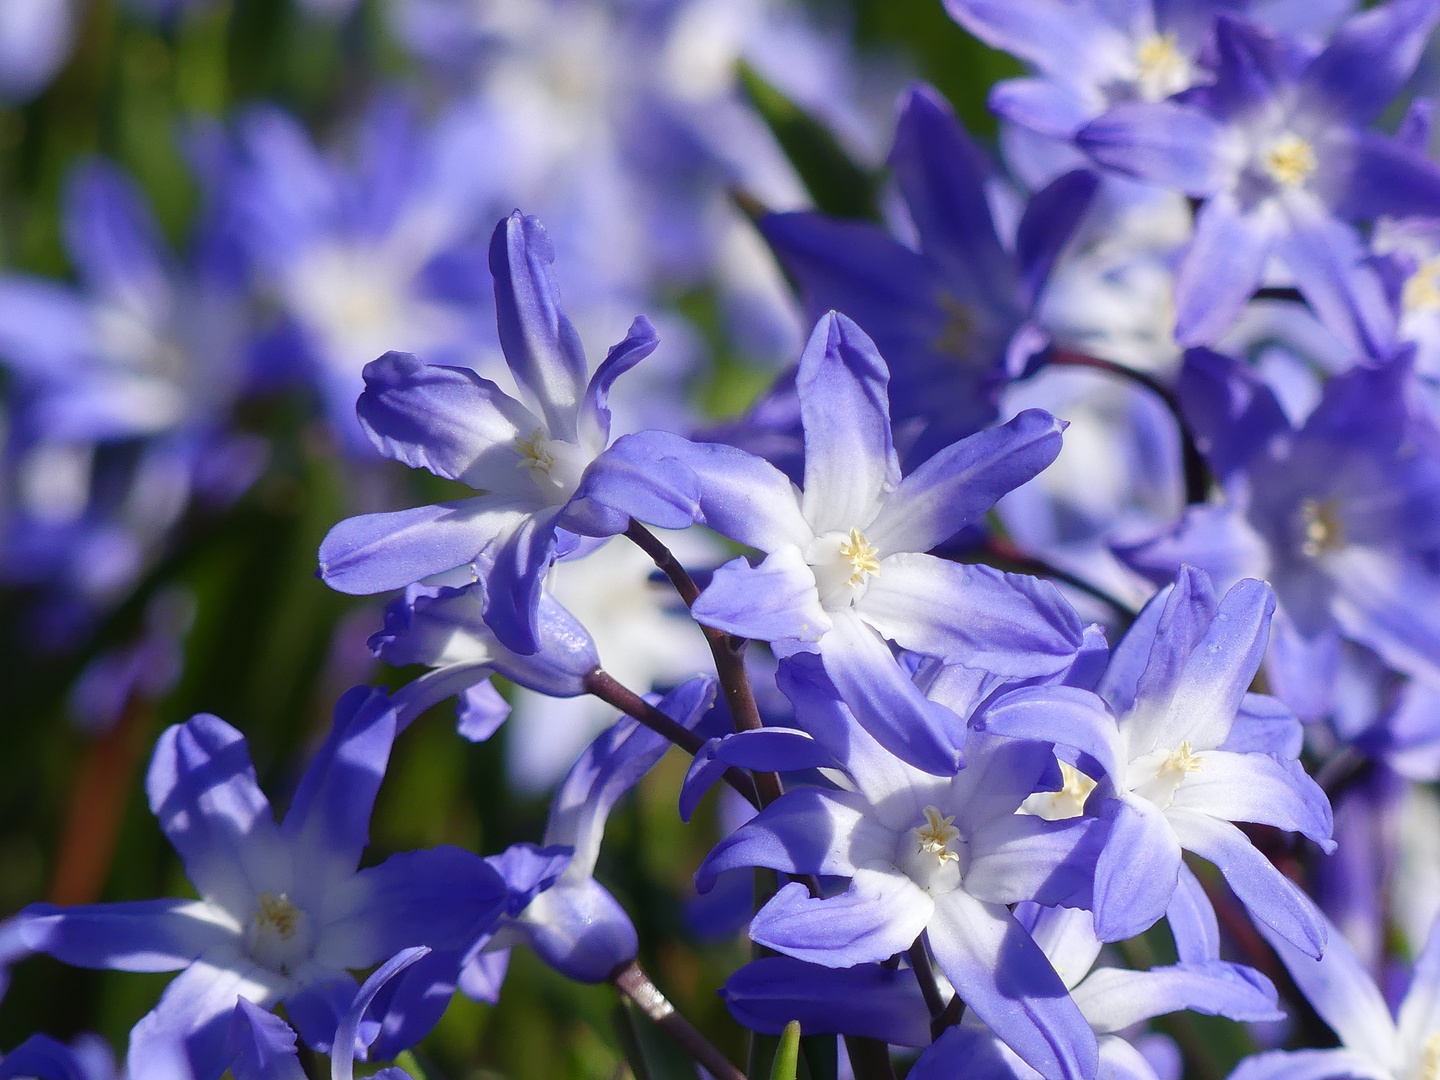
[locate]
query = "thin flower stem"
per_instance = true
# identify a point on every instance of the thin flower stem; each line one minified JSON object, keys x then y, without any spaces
{"x":605,"y":687}
{"x":1197,"y":473}
{"x":631,"y":981}
{"x":728,"y":651}
{"x":925,"y":976}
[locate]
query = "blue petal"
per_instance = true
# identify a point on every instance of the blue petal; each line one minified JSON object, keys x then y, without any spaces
{"x":411,"y":1003}
{"x":317,"y":1008}
{"x":868,"y":1000}
{"x":1222,"y":267}
{"x":479,"y":712}
{"x":1233,"y":413}
{"x":45,"y":329}
{"x":515,"y":581}
{"x":113,"y":240}
{"x":184,"y":1036}
{"x":1137,"y":871}
{"x":330,"y":813}
{"x":484,"y":975}
{"x":540,"y":344}
{"x":640,"y":341}
{"x":636,"y":478}
{"x":1058,"y":38}
{"x":1368,"y":60}
{"x":379,"y":552}
{"x":1048,"y":224}
{"x":580,"y":930}
{"x":347,"y":1035}
{"x":962,"y":482}
{"x":1041,"y":105}
{"x":1192,"y":920}
{"x":1342,"y":991}
{"x":1258,"y":788}
{"x":1066,"y":715}
{"x":1113,"y":999}
{"x":775,"y":601}
{"x":447,"y":420}
{"x":528,"y":870}
{"x":134,"y":935}
{"x":806,"y":831}
{"x":1172,"y":145}
{"x":850,"y":460}
{"x":1185,"y":616}
{"x":202,"y":791}
{"x":1004,"y":978}
{"x":886,"y":702}
{"x":42,"y":1058}
{"x":742,"y":496}
{"x":1270,"y":897}
{"x":984,"y":1055}
{"x":1312,"y":1065}
{"x":881,"y":914}
{"x":1020,"y":857}
{"x":1008,"y":624}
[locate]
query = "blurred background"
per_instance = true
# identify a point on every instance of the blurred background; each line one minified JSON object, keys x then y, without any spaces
{"x":213,"y":213}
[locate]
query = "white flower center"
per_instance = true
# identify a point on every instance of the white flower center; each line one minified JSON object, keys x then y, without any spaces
{"x":932,"y":854}
{"x":278,"y":934}
{"x":842,"y":565}
{"x":1162,"y":771}
{"x":1161,"y":68}
{"x":555,"y":465}
{"x":1289,"y":161}
{"x":1429,"y":1064}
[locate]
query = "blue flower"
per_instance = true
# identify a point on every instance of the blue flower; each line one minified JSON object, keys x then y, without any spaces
{"x":845,"y":567}
{"x":542,"y":463}
{"x":283,"y":914}
{"x":956,"y":318}
{"x":1279,"y":150}
{"x":938,"y":855}
{"x":1182,"y":750}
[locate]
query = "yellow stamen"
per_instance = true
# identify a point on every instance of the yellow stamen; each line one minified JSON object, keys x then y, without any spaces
{"x":957,"y":332}
{"x":1162,"y":67}
{"x":864,"y":558}
{"x":1183,"y":760}
{"x":279,"y":912}
{"x":1422,"y":288}
{"x":534,"y":453}
{"x":1324,"y":530}
{"x":1290,"y":160}
{"x":1430,"y":1063}
{"x":937,"y":835}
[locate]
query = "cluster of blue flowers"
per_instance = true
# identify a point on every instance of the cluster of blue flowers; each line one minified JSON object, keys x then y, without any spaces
{"x":1097,"y":523}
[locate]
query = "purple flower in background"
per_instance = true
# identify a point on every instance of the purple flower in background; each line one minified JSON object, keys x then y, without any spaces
{"x":542,"y":463}
{"x":1279,"y":149}
{"x":1374,"y":1044}
{"x":40,"y":1057}
{"x":1340,"y":516}
{"x":955,"y":318}
{"x":283,"y":914}
{"x":845,"y":568}
{"x":1181,"y":750}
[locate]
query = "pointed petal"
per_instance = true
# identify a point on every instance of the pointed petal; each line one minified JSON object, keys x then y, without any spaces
{"x":1312,"y":1065}
{"x":184,"y":1036}
{"x":1419,"y":1012}
{"x":1175,"y":146}
{"x":806,"y":831}
{"x":540,"y":344}
{"x":1043,"y":106}
{"x":261,"y":1045}
{"x":961,"y":483}
{"x":1008,"y":624}
{"x":1258,"y":788}
{"x":850,"y":460}
{"x":317,"y":1008}
{"x":447,"y":420}
{"x":1186,"y":614}
{"x":742,"y":497}
{"x":1066,"y":715}
{"x":1048,"y":224}
{"x":1058,"y":38}
{"x":349,"y":1028}
{"x":1270,"y":897}
{"x":867,"y":999}
{"x":881,"y":914}
{"x":1343,"y":993}
{"x":1222,"y":267}
{"x":1391,"y":602}
{"x":329,"y":815}
{"x":1113,"y":999}
{"x":136,"y":935}
{"x":1368,"y":60}
{"x":1001,"y":974}
{"x":775,"y":601}
{"x":639,"y":342}
{"x":1231,"y":410}
{"x":378,"y":552}
{"x":1137,"y":872}
{"x":113,"y":239}
{"x":636,"y":478}
{"x":886,"y":702}
{"x":202,"y":791}
{"x":1192,"y":921}
{"x":515,"y":580}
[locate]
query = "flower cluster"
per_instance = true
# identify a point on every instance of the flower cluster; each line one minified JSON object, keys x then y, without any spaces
{"x":1081,"y":575}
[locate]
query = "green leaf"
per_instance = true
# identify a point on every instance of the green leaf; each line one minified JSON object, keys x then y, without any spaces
{"x":787,"y":1054}
{"x":838,"y":185}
